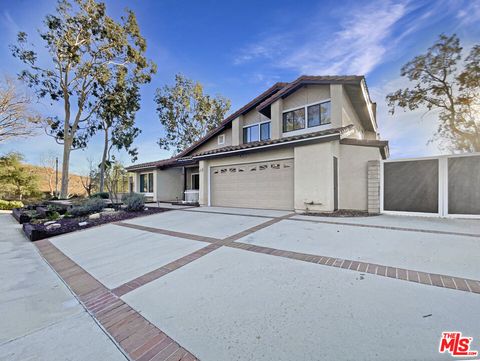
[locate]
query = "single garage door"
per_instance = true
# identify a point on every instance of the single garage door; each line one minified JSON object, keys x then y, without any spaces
{"x":266,"y":185}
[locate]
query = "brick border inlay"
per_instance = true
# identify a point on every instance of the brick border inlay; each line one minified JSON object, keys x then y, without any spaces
{"x":430,"y":279}
{"x":392,"y":228}
{"x":162,"y":271}
{"x":215,"y":243}
{"x":136,"y":336}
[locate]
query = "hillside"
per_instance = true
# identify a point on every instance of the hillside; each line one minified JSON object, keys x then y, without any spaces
{"x":46,"y":180}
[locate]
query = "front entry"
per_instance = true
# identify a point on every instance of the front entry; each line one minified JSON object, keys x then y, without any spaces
{"x":268,"y":185}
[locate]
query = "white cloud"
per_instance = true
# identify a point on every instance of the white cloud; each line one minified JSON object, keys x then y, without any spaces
{"x":353,"y":40}
{"x":469,"y":14}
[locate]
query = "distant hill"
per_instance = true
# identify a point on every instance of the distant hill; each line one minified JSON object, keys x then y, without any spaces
{"x":46,"y":180}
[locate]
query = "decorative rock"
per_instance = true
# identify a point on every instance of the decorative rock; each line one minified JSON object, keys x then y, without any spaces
{"x":81,"y":224}
{"x":49,"y":222}
{"x":94,"y":216}
{"x":53,"y":226}
{"x":108,"y":210}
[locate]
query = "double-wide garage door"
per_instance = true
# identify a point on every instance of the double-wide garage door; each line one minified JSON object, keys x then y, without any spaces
{"x":266,"y":185}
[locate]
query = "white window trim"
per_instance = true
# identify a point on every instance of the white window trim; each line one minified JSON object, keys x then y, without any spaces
{"x":153,"y":185}
{"x":222,"y":137}
{"x":306,"y":116}
{"x":191,"y":182}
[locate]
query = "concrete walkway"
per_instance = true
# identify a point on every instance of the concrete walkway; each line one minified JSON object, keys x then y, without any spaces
{"x":41,"y":319}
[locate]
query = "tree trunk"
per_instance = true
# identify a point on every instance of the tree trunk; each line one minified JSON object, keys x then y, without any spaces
{"x":67,"y":148}
{"x":104,"y":160}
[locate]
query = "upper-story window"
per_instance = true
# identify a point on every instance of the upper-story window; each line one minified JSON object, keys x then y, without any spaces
{"x":316,"y":114}
{"x":256,"y":132}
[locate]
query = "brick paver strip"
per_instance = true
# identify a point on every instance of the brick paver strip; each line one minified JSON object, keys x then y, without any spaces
{"x":193,"y":237}
{"x":162,"y":271}
{"x":136,"y":336}
{"x":431,"y":279}
{"x":393,"y":228}
{"x":227,"y":213}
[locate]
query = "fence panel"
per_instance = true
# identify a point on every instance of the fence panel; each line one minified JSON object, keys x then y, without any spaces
{"x":411,"y":186}
{"x":464,"y":185}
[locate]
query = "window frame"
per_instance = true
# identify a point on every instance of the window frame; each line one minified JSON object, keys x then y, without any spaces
{"x":147,"y":177}
{"x":305,"y":107}
{"x":258,"y":124}
{"x":191,"y":181}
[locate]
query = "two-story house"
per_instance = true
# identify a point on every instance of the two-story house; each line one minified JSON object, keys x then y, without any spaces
{"x":300,"y":146}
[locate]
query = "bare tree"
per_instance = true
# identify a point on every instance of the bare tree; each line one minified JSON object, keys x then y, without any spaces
{"x":48,"y":162}
{"x":16,"y":117}
{"x":89,"y":180}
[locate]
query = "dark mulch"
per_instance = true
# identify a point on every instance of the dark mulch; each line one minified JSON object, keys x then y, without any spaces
{"x":342,"y":213}
{"x":36,"y":232}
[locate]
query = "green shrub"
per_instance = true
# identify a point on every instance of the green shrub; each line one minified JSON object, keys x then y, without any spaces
{"x":53,"y":216}
{"x":8,"y":205}
{"x":101,"y":195}
{"x":92,"y":205}
{"x":134,"y":202}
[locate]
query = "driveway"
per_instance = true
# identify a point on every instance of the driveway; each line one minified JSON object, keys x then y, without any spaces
{"x":238,"y":284}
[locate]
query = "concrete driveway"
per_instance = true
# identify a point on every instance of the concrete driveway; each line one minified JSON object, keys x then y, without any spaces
{"x":237,"y":284}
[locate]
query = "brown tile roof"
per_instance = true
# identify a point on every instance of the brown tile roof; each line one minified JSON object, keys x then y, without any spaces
{"x":149,"y":165}
{"x":332,"y":131}
{"x":310,"y":79}
{"x":246,"y":108}
{"x":260,"y":102}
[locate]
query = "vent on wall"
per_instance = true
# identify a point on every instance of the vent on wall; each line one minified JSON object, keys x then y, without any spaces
{"x":221,"y":139}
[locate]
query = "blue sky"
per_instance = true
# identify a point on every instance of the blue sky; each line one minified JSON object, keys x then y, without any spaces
{"x":239,"y":48}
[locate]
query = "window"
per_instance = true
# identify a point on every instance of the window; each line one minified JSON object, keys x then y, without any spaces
{"x":294,"y":120}
{"x":221,"y":139}
{"x":265,"y":131}
{"x":195,"y":181}
{"x":319,"y":114}
{"x":256,"y":132}
{"x":146,"y":183}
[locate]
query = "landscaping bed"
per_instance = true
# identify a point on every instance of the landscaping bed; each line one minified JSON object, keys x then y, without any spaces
{"x":342,"y":213}
{"x":38,"y":231}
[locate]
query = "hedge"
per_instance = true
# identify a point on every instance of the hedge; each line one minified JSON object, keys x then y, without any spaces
{"x":9,"y":205}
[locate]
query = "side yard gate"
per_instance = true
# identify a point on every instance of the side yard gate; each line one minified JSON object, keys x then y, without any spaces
{"x":440,"y":186}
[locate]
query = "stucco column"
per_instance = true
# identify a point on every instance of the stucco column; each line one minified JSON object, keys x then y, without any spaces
{"x":203,"y":179}
{"x":276,"y":119}
{"x":336,"y":96}
{"x":237,"y":131}
{"x":373,"y":168}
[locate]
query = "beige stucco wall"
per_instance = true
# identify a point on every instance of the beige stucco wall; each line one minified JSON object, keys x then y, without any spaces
{"x":188,"y":173}
{"x":213,"y":143}
{"x":306,"y":95}
{"x":283,"y":153}
{"x":169,"y":184}
{"x":349,"y":116}
{"x":253,"y":117}
{"x":314,"y":177}
{"x":353,"y":175}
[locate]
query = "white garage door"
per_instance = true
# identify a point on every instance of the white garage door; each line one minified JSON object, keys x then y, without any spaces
{"x":266,"y":185}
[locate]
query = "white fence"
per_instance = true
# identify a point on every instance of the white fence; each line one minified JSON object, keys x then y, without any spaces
{"x":445,"y":186}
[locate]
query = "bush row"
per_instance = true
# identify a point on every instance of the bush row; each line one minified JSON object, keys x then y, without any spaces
{"x":9,"y":205}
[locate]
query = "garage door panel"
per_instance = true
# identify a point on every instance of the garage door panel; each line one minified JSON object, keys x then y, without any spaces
{"x":253,"y":185}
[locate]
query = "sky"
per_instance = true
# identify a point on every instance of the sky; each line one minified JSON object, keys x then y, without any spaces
{"x":240,"y":48}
